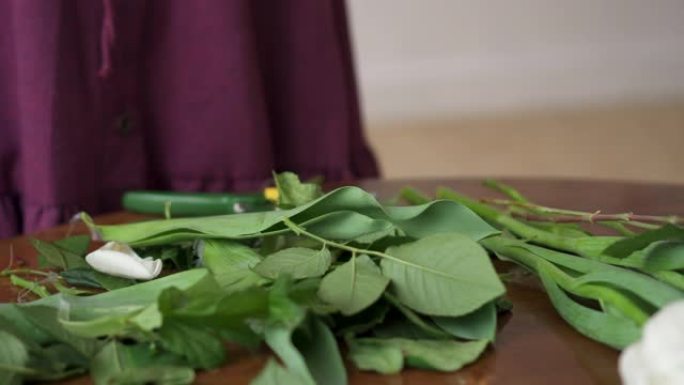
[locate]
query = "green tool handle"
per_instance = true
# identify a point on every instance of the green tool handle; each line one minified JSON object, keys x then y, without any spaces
{"x":183,"y":204}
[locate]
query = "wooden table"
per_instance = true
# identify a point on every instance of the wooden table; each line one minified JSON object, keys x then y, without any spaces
{"x":533,"y":346}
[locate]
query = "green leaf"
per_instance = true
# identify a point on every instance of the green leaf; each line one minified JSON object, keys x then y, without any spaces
{"x":86,"y":276}
{"x":354,"y":285}
{"x":439,"y":217}
{"x":284,"y":316}
{"x":440,"y":354}
{"x":350,"y":226}
{"x":282,"y":310}
{"x":361,"y":322}
{"x":77,"y":244}
{"x":627,"y":246}
{"x":442,"y":275}
{"x":117,"y":364}
{"x":47,"y":319}
{"x":415,"y":221}
{"x":177,"y":256}
{"x":443,"y":355}
{"x":274,"y":374}
{"x":279,"y":339}
{"x":376,"y":355}
{"x":665,"y":256}
{"x":231,"y":264}
{"x":591,"y":247}
{"x":608,"y":328}
{"x":13,"y":359}
{"x":56,"y":362}
{"x":292,"y":192}
{"x":478,"y":325}
{"x":304,"y":293}
{"x":674,"y":278}
{"x":109,"y":313}
{"x":200,"y":347}
{"x":48,"y":359}
{"x":59,"y":257}
{"x":296,"y":262}
{"x":426,"y":329}
{"x":16,"y":322}
{"x":319,"y":348}
{"x":395,"y":327}
{"x":572,"y":230}
{"x":651,"y":290}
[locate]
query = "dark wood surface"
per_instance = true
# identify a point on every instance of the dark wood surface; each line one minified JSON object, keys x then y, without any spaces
{"x":533,"y":346}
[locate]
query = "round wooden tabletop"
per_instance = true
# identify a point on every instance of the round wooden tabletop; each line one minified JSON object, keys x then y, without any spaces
{"x":533,"y":346}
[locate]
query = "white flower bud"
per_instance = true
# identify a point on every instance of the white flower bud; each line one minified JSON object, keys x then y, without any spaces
{"x":658,"y":358}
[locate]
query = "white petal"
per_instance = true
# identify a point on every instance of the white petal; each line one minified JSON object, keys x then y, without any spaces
{"x":120,"y":260}
{"x":658,"y":358}
{"x":632,"y":367}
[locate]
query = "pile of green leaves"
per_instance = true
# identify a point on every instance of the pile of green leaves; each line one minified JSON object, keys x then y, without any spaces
{"x":399,"y":286}
{"x":606,"y":287}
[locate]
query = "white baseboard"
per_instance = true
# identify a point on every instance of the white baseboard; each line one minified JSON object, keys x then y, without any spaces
{"x":557,"y":77}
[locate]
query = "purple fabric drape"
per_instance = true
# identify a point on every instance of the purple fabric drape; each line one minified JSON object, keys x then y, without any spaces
{"x":99,"y":97}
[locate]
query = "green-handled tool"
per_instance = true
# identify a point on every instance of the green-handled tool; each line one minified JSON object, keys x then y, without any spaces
{"x":183,"y":204}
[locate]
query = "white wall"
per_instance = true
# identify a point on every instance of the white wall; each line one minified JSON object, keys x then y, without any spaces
{"x":429,"y":59}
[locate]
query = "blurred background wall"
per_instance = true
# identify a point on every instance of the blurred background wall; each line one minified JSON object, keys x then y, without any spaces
{"x":564,"y":88}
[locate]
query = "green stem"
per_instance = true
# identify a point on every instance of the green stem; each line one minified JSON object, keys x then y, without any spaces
{"x":30,"y":286}
{"x":505,"y":189}
{"x":8,"y":272}
{"x":619,"y":227}
{"x":413,"y":196}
